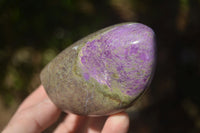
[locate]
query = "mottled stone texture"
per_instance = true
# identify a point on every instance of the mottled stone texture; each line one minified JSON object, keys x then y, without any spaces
{"x":104,"y":72}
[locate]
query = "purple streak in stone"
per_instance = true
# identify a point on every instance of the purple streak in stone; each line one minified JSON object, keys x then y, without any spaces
{"x":123,"y":56}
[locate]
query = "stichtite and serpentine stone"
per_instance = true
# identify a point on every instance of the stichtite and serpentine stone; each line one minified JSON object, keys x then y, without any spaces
{"x":103,"y":73}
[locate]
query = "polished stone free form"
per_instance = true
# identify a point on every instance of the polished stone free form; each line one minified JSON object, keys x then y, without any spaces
{"x":103,"y":73}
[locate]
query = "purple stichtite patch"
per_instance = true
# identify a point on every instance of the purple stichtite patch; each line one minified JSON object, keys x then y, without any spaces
{"x":122,"y":57}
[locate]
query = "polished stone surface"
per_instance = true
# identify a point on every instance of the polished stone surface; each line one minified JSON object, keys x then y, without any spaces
{"x":103,"y":73}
